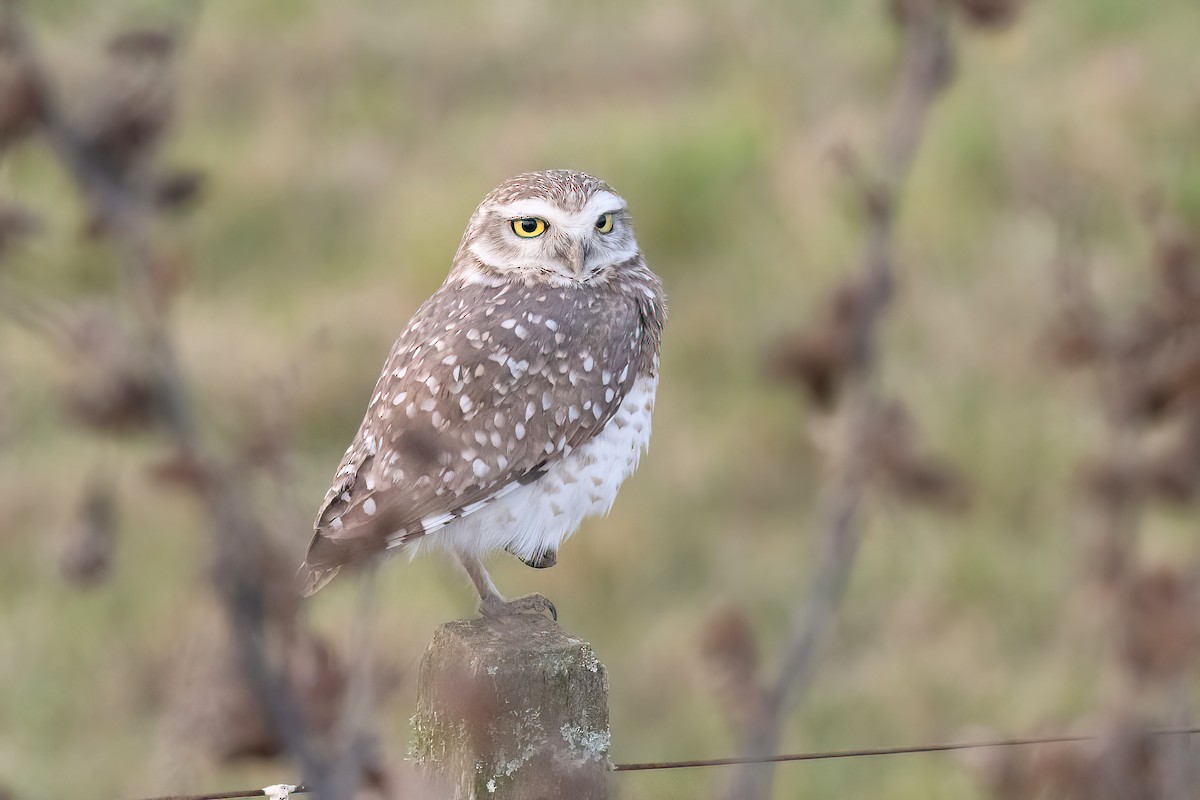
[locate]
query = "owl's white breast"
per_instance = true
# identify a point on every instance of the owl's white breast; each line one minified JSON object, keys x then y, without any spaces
{"x":536,"y":518}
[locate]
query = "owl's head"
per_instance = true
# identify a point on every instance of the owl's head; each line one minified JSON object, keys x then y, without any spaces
{"x":558,"y":227}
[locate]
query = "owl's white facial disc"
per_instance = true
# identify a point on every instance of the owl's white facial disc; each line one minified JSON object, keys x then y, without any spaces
{"x":573,"y":248}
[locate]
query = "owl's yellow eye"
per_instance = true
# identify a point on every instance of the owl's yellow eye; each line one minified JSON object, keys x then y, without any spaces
{"x":605,"y":223}
{"x":529,"y":227}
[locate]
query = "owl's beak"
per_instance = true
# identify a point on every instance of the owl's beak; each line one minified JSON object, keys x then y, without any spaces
{"x":575,"y":256}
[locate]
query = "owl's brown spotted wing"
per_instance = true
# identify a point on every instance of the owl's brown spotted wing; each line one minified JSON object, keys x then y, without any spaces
{"x":486,"y":387}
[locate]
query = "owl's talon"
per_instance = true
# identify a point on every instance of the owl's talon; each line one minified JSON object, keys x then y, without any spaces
{"x":529,"y":604}
{"x":544,"y":561}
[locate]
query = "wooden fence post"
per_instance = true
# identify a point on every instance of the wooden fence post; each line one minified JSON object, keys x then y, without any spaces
{"x":513,"y":709}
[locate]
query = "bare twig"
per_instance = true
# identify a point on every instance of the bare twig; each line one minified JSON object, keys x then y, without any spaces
{"x":924,"y":73}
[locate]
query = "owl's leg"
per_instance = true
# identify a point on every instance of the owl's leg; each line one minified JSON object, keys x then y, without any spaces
{"x":488,"y":592}
{"x":492,"y":603}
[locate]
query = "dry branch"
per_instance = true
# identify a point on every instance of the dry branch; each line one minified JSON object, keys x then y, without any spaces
{"x":108,"y":161}
{"x":924,"y":72}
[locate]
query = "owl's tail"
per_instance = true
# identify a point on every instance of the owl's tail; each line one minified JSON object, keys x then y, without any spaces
{"x":310,"y":580}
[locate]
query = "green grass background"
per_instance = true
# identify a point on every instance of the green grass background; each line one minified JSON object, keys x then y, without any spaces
{"x":346,"y":143}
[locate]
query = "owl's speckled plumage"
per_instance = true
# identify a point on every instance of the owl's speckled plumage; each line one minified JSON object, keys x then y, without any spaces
{"x":517,"y":398}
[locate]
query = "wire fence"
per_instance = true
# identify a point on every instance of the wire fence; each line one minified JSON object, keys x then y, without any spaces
{"x":823,"y":755}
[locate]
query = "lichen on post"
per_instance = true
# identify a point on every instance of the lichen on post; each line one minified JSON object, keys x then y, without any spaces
{"x":513,"y":708}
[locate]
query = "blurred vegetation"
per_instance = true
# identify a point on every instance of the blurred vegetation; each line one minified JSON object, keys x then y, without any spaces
{"x":345,"y":145}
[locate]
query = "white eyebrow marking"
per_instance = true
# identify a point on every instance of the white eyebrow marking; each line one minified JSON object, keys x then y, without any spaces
{"x":602,"y":202}
{"x":531,"y":207}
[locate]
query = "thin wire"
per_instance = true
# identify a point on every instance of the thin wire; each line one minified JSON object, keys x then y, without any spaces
{"x":817,"y":756}
{"x":227,"y":795}
{"x":880,"y":751}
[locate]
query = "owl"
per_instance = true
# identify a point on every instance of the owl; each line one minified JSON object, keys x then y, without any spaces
{"x":516,"y":400}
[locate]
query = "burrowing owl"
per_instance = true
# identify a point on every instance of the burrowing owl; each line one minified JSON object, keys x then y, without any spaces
{"x":518,"y":397}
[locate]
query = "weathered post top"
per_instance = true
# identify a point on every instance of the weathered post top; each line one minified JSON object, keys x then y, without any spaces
{"x":513,"y":708}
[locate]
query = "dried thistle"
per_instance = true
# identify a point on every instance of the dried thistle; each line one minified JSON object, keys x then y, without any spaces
{"x":137,"y":43}
{"x":20,"y":103}
{"x":1156,"y":359}
{"x":87,"y":550}
{"x":1077,"y":335}
{"x":820,"y":357}
{"x":1157,"y":368}
{"x":119,"y":399}
{"x":1158,"y":630}
{"x":1171,"y":378}
{"x":1063,"y":771}
{"x":132,"y":105}
{"x":178,"y":190}
{"x":730,"y":652}
{"x":182,"y":470}
{"x":904,"y":12}
{"x":1174,"y":473}
{"x":906,"y":469}
{"x":215,"y":711}
{"x":1177,"y":261}
{"x":1127,"y":763}
{"x":317,"y":680}
{"x":989,"y":13}
{"x":1110,"y":482}
{"x":110,"y":387}
{"x":1074,"y":341}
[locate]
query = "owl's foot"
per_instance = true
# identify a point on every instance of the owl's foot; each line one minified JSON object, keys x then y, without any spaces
{"x":494,"y":607}
{"x":544,"y":561}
